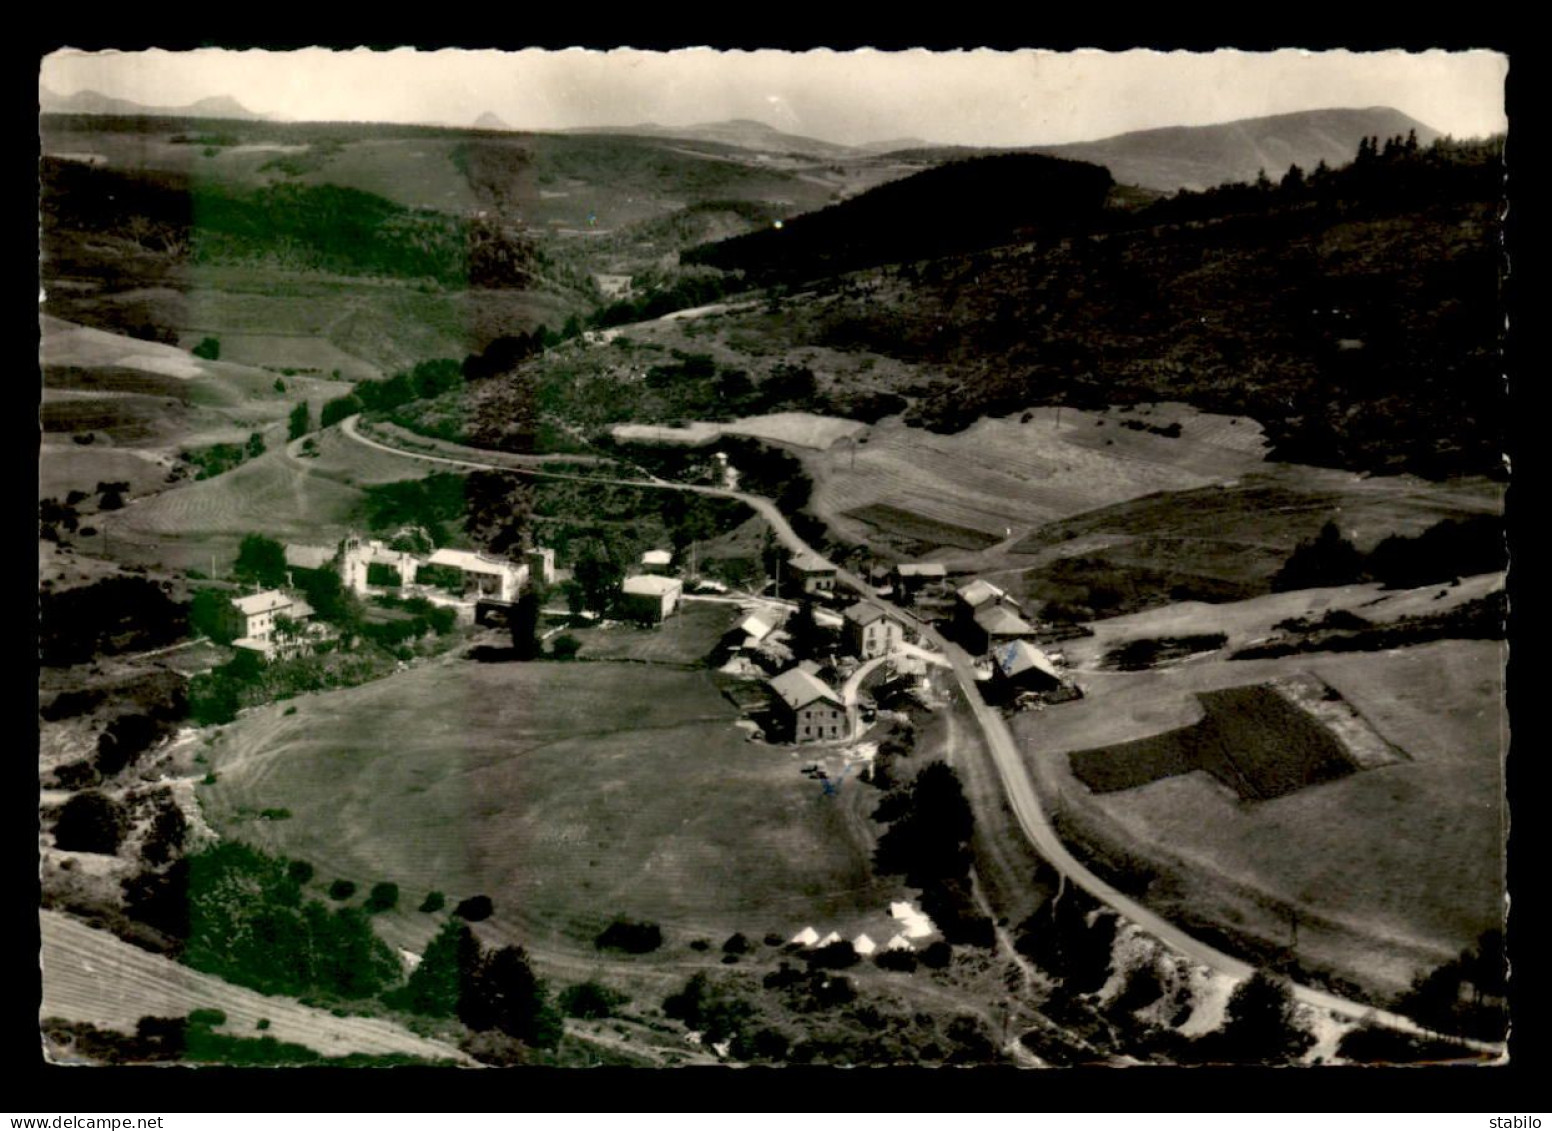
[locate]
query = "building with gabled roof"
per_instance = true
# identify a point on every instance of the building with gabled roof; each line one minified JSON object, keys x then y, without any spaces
{"x":811,"y":710}
{"x":870,"y":631}
{"x":981,"y":592}
{"x":811,"y":572}
{"x":1021,"y":666}
{"x":253,"y":620}
{"x":994,"y":626}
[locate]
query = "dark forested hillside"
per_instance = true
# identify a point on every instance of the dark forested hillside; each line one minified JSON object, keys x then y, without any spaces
{"x":1354,"y":313}
{"x":956,"y":207}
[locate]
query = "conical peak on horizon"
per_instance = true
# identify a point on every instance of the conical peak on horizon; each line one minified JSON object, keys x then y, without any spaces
{"x":976,"y":98}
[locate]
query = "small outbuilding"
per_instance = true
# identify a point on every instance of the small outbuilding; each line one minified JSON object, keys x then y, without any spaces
{"x":649,"y":598}
{"x":657,"y":561}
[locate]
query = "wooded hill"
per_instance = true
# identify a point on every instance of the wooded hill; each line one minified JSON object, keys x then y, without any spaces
{"x":1355,"y":313}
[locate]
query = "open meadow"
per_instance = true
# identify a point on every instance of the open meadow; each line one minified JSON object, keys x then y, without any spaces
{"x":568,"y":793}
{"x":1016,"y":473}
{"x":1391,"y":870}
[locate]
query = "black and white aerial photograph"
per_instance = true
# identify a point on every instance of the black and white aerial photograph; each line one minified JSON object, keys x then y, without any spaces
{"x":656,"y":558}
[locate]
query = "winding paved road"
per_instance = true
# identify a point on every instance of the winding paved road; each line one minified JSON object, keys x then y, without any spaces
{"x":1004,"y":752}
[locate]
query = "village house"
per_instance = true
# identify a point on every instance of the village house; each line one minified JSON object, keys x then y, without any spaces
{"x":870,"y":631}
{"x":808,"y":707}
{"x":649,"y":598}
{"x":258,"y":621}
{"x":811,"y":574}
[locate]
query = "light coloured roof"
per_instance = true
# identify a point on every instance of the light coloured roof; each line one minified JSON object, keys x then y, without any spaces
{"x":308,"y":557}
{"x":978,"y":592}
{"x":266,"y":602}
{"x":864,"y":612}
{"x":656,"y":557}
{"x":922,"y":569}
{"x":998,"y":621}
{"x":299,"y":610}
{"x":469,"y":562}
{"x":798,"y":688}
{"x":757,"y":626}
{"x":648,"y":585}
{"x":1021,"y":656}
{"x":810,"y":563}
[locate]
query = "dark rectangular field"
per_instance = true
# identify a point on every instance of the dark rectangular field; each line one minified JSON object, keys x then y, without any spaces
{"x":1250,"y":738}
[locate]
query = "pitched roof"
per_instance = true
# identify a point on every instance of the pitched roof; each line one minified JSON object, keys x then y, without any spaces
{"x":650,"y":585}
{"x":656,"y":557}
{"x":864,"y":612}
{"x":266,"y":602}
{"x":469,"y":562}
{"x":308,"y":557}
{"x":978,"y":592}
{"x":798,"y":688}
{"x":757,"y":626}
{"x":1021,"y":656}
{"x":995,"y":620}
{"x":922,"y":569}
{"x":810,"y":563}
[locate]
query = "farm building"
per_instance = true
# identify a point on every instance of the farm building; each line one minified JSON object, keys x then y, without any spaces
{"x":648,"y":598}
{"x":909,"y":578}
{"x":994,"y":626}
{"x":812,"y":573}
{"x":657,"y":561}
{"x":1020,"y":666}
{"x":870,"y":631}
{"x":483,"y":577}
{"x":259,"y":619}
{"x":808,"y":706}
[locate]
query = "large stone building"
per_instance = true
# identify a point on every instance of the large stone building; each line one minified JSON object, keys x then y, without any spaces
{"x":870,"y":631}
{"x":809,"y":709}
{"x":483,"y":578}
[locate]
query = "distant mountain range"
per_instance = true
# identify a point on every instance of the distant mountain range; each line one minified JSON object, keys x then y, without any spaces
{"x":91,"y":102}
{"x":1175,"y":157}
{"x":745,"y":133}
{"x":1199,"y":157}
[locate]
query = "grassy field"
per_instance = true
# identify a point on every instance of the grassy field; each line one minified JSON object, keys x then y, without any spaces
{"x":90,"y":975}
{"x":1251,"y":739}
{"x":569,"y":793}
{"x":1012,"y":473}
{"x":1245,"y":622}
{"x":800,"y":429}
{"x":1391,"y":870}
{"x":687,"y":637}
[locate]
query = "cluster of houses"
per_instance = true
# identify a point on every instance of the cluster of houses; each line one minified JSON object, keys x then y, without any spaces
{"x":983,"y":617}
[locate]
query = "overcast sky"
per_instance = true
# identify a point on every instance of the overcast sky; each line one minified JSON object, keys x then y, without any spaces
{"x":966,"y":97}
